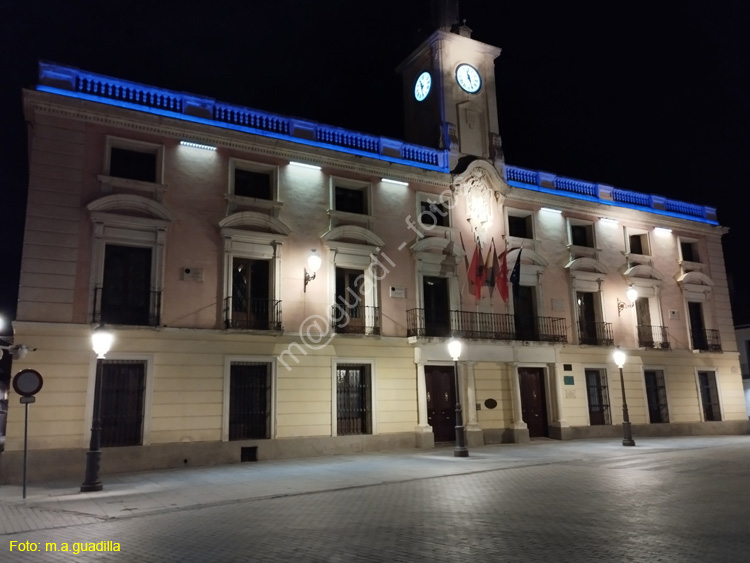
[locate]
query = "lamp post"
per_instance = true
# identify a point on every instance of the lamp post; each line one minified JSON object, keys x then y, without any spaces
{"x":454,"y":349}
{"x":101,"y":341}
{"x":627,"y":432}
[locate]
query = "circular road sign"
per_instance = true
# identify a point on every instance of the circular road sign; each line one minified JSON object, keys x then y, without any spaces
{"x":28,"y":382}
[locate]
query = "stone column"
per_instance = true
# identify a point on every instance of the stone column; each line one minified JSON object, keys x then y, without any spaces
{"x":557,"y":428}
{"x":423,"y":431}
{"x":474,"y":434}
{"x":519,"y":428}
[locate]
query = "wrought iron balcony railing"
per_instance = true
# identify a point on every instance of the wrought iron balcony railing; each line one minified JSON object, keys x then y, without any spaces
{"x":706,"y":339}
{"x":653,"y":337}
{"x":595,"y":334}
{"x":485,"y":326}
{"x":135,"y":308}
{"x":252,"y":314}
{"x":355,"y":319}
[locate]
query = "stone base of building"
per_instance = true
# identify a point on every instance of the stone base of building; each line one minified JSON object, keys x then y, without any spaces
{"x":49,"y":465}
{"x":726,"y":427}
{"x":505,"y":436}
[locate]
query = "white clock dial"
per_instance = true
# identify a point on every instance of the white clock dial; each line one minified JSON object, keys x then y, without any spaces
{"x":468,"y":78}
{"x":422,"y":86}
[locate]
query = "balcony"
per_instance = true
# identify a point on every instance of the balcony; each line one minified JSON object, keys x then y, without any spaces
{"x":486,"y":326}
{"x":355,"y":319}
{"x":134,"y":307}
{"x":653,"y":337}
{"x":595,"y":334}
{"x":706,"y":340}
{"x":252,"y":314}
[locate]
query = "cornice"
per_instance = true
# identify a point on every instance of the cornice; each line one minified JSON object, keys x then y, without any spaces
{"x":569,"y":205}
{"x":111,"y":116}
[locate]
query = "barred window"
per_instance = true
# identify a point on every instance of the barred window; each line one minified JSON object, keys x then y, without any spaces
{"x":709,"y":395}
{"x":598,"y":397}
{"x":353,"y":399}
{"x":250,"y":400}
{"x":123,"y":387}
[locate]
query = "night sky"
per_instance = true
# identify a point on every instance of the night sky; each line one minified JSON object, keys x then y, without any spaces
{"x":649,"y":96}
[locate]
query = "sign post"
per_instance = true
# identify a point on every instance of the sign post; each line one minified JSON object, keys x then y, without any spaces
{"x":27,"y":383}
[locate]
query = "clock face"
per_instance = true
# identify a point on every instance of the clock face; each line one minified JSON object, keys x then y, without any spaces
{"x":422,"y":86}
{"x":468,"y":78}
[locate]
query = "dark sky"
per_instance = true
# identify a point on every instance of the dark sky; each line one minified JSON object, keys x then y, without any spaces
{"x":650,"y":96}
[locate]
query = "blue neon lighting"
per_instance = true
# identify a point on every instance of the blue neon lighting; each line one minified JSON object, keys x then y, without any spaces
{"x":187,"y":107}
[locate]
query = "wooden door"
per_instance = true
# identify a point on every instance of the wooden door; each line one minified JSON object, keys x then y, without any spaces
{"x":441,"y":402}
{"x":533,"y":401}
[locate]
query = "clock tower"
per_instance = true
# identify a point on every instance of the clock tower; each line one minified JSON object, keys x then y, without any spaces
{"x":449,"y":91}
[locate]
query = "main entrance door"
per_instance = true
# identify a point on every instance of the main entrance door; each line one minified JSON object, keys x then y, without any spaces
{"x":533,"y":401}
{"x":441,"y":402}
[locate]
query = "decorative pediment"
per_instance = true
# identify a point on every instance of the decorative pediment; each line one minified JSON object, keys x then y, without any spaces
{"x":695,"y":285}
{"x":643,"y":271}
{"x":255,"y":221}
{"x":437,"y":245}
{"x":482,"y":186}
{"x":695,"y":278}
{"x":355,"y":234}
{"x":130,"y":205}
{"x":534,"y":257}
{"x":586,"y":264}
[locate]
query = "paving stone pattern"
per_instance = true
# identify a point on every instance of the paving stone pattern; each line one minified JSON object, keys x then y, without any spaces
{"x":665,"y":505}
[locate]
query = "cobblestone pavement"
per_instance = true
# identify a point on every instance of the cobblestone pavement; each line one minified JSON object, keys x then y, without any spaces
{"x":677,"y":500}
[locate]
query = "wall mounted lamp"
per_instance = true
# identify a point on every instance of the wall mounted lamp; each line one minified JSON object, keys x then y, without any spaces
{"x":313,"y":264}
{"x":632,"y":295}
{"x":17,"y":351}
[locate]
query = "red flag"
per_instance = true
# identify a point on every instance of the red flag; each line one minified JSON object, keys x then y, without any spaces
{"x":502,"y":277}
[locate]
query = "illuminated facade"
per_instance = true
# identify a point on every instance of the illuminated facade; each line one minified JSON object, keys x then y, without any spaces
{"x":186,"y":225}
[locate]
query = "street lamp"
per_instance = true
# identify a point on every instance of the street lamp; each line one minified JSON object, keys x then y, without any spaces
{"x":101,"y":342}
{"x":627,"y":432}
{"x":454,"y":349}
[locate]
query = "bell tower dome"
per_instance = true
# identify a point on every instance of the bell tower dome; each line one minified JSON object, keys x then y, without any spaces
{"x":449,"y":91}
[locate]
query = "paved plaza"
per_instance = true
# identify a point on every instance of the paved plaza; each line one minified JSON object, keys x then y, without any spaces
{"x":666,"y":500}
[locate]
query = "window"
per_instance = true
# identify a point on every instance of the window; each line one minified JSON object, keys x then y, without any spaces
{"x":436,"y":299}
{"x":656,"y":395}
{"x":350,"y":308}
{"x":598,"y":396}
{"x":709,"y":395}
{"x":123,"y":385}
{"x":434,"y":214}
{"x":125,"y":294}
{"x":353,"y":399}
{"x":590,"y":328}
{"x":582,"y":235}
{"x":638,"y":244}
{"x":249,"y":400}
{"x":350,"y":200}
{"x":252,"y":179}
{"x":252,"y":184}
{"x":252,"y":307}
{"x":252,"y":270}
{"x":133,"y":160}
{"x":127,"y":259}
{"x":698,"y":335}
{"x":525,"y":314}
{"x":520,"y":226}
{"x":689,"y":251}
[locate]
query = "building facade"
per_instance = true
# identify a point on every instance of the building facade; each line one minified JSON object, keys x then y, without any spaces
{"x":743,"y":345}
{"x":187,"y":226}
